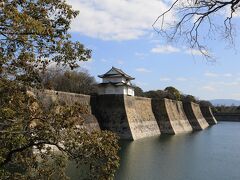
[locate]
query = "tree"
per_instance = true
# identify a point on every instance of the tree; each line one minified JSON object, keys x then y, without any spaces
{"x":32,"y":35}
{"x":205,"y":103}
{"x":197,"y":20}
{"x":189,"y":98}
{"x":160,"y":94}
{"x":31,"y":134}
{"x":138,"y":91}
{"x":174,"y":92}
{"x":69,"y":81}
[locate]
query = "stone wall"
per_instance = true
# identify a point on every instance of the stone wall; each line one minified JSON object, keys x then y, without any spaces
{"x":208,"y":115}
{"x":130,"y":117}
{"x":183,"y":118}
{"x":111,"y":114}
{"x":133,"y":117}
{"x":194,"y":115}
{"x":48,"y":97}
{"x":140,"y":116}
{"x":170,"y":116}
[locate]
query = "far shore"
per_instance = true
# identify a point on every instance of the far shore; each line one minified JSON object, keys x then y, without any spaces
{"x":231,"y":117}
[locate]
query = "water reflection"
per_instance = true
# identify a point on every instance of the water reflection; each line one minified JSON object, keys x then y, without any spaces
{"x":210,"y":154}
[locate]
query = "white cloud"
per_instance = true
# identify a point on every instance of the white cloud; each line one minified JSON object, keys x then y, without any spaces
{"x":210,"y":74}
{"x":165,"y":79}
{"x":103,"y":60}
{"x":120,"y":62}
{"x":143,"y":70}
{"x":116,"y":20}
{"x":165,"y":49}
{"x":233,"y":83}
{"x":141,"y":55}
{"x":181,"y":79}
{"x":227,"y":75}
{"x":209,"y":88}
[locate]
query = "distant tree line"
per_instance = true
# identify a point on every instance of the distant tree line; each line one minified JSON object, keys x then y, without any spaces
{"x":227,"y":109}
{"x":170,"y":93}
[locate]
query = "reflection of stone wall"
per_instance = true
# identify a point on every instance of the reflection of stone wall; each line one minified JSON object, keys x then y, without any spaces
{"x":194,"y":115}
{"x":170,"y":116}
{"x":47,"y":97}
{"x":208,"y":115}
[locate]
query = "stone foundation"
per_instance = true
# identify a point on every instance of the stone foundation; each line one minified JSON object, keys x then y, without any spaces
{"x":129,"y":117}
{"x":48,"y":97}
{"x":170,"y":116}
{"x":208,"y":115}
{"x":140,"y":116}
{"x":134,"y":117}
{"x":194,"y":115}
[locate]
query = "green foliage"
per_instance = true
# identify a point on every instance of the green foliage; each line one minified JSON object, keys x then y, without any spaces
{"x":205,"y":103}
{"x":35,"y":33}
{"x":69,"y":81}
{"x":32,"y":35}
{"x":189,"y":98}
{"x":30,"y":134}
{"x":138,"y":91}
{"x":155,"y":94}
{"x":169,"y":92}
{"x":174,"y":92}
{"x":227,"y":109}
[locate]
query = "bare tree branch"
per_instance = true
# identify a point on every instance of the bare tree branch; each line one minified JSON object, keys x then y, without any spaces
{"x":191,"y":16}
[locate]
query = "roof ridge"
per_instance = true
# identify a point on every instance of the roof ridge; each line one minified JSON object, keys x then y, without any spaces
{"x":119,"y":71}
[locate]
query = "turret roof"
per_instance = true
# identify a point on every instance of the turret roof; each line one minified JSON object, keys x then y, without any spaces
{"x":118,"y":72}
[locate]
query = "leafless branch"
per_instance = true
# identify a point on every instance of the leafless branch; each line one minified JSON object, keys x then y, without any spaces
{"x":191,"y":16}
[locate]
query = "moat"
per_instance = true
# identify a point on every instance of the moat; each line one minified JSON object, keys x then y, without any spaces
{"x":205,"y":155}
{"x":213,"y":153}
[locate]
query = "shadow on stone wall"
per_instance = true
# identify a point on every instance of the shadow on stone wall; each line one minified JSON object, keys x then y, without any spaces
{"x":194,"y":115}
{"x":208,"y":115}
{"x":134,"y":117}
{"x":170,"y":116}
{"x":48,"y":97}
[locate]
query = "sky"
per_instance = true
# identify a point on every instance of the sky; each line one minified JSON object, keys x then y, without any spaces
{"x":120,"y":34}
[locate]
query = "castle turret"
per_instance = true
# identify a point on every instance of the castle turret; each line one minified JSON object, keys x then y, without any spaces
{"x":115,"y":81}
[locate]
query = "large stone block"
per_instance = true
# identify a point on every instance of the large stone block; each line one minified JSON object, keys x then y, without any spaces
{"x":170,"y":116}
{"x":194,"y":115}
{"x":208,"y":115}
{"x":129,"y":117}
{"x":140,"y":116}
{"x":111,"y":114}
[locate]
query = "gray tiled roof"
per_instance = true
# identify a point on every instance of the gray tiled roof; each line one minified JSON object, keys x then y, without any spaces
{"x":119,"y":74}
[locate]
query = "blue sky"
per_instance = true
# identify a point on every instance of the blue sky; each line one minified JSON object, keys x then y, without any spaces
{"x":120,"y":34}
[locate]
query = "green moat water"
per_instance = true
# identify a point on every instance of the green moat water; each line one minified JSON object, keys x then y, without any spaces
{"x":213,"y":153}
